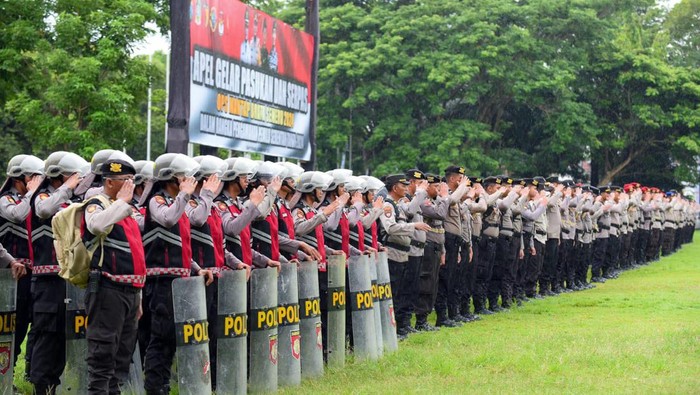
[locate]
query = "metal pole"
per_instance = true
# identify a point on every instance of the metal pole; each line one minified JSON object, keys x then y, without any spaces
{"x":148,"y":130}
{"x":167,"y":90}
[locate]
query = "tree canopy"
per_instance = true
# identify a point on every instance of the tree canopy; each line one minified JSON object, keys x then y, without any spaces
{"x":605,"y":90}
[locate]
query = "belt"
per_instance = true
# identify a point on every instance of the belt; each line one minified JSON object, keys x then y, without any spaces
{"x":417,"y":244}
{"x":131,"y":287}
{"x":398,"y":246}
{"x":168,"y":271}
{"x":604,"y":227}
{"x":126,"y":279}
{"x":440,"y":231}
{"x":616,"y":226}
{"x":541,"y":233}
{"x":46,"y":269}
{"x":507,"y":229}
{"x":504,"y":236}
{"x":517,"y":234}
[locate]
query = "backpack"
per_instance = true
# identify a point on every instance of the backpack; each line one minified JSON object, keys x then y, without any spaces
{"x":72,"y":254}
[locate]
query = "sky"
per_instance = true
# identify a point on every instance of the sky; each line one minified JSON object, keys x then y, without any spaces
{"x":157,"y":42}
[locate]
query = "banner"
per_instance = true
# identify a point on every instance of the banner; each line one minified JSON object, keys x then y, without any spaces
{"x":250,"y":83}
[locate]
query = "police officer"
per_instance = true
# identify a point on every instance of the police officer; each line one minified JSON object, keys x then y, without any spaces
{"x":584,"y":236}
{"x":118,"y":272}
{"x":336,"y":231}
{"x":473,"y":207}
{"x":488,"y":244}
{"x":548,"y":284}
{"x":499,"y":282}
{"x":447,"y":300}
{"x":612,"y":252}
{"x":601,"y":219}
{"x":535,"y":228}
{"x":566,"y":266}
{"x":434,"y":210}
{"x":23,"y":178}
{"x":168,"y":250}
{"x":308,"y":226}
{"x":397,"y":233}
{"x":63,"y":172}
{"x":207,"y":233}
{"x":91,"y":184}
{"x":373,"y":208}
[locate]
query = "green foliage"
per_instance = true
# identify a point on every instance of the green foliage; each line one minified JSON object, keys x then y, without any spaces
{"x":522,"y":88}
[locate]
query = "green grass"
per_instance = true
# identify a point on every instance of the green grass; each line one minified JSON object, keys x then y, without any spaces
{"x":637,"y":334}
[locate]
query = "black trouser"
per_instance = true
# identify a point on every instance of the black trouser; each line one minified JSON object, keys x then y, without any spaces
{"x":212,"y":300}
{"x":533,"y":269}
{"x":652,"y":251}
{"x":463,"y":286}
{"x":643,"y":242}
{"x":548,"y":275}
{"x":510,"y":272}
{"x":667,"y":240}
{"x":158,"y":300}
{"x":467,"y":288}
{"x":612,"y":253}
{"x":428,"y":280}
{"x":397,"y":272}
{"x":522,"y":266}
{"x":625,"y":243}
{"x":600,"y":245}
{"x":111,"y":335}
{"x":23,"y":319}
{"x":447,"y":294}
{"x":632,"y":252}
{"x":49,"y":330}
{"x":582,"y":254}
{"x":409,"y":283}
{"x":501,"y":263}
{"x":567,"y":271}
{"x":484,"y":270}
{"x":677,"y":239}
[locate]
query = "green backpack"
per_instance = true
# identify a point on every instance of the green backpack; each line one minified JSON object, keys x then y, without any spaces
{"x":72,"y":254}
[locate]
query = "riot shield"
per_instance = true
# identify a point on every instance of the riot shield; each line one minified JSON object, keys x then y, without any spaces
{"x":232,"y":332}
{"x":75,"y":375}
{"x":289,"y":365}
{"x":310,"y":321}
{"x":263,"y":330}
{"x":8,"y":300}
{"x":134,"y":383}
{"x":192,"y":335}
{"x":361,"y":304}
{"x":336,"y":310}
{"x":376,"y":309}
{"x":385,"y":303}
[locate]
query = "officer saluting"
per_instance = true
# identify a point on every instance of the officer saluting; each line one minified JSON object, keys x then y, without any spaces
{"x":118,"y":272}
{"x":397,"y":235}
{"x":23,"y":178}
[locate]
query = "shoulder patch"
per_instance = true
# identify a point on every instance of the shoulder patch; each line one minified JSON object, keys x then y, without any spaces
{"x":193,"y":203}
{"x":160,"y":199}
{"x":43,"y":196}
{"x":388,"y":211}
{"x":91,"y":208}
{"x":10,"y":199}
{"x":222,"y":206}
{"x":300,"y":213}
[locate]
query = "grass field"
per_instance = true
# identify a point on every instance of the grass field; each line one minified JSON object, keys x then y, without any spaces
{"x":637,"y":334}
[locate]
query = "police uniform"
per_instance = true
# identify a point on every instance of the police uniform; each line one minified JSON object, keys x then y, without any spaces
{"x":397,"y":233}
{"x":447,"y":300}
{"x":548,"y":276}
{"x":601,"y":219}
{"x":474,"y":209}
{"x":535,"y":230}
{"x":48,"y":290}
{"x":434,"y":212}
{"x":488,"y":244}
{"x":410,"y":281}
{"x":14,"y":236}
{"x":113,"y":297}
{"x":168,"y":250}
{"x":500,"y":282}
{"x":584,"y":237}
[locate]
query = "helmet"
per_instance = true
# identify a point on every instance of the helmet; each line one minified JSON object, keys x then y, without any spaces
{"x":238,"y":167}
{"x":168,"y":166}
{"x":24,"y":165}
{"x":356,"y":184}
{"x":144,"y":171}
{"x":373,"y":183}
{"x":66,"y":164}
{"x":310,"y":180}
{"x":293,"y":170}
{"x":105,"y":155}
{"x":268,"y":170}
{"x":209,"y":165}
{"x":340,"y":176}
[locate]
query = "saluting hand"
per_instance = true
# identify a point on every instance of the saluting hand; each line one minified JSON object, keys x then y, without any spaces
{"x":257,"y":195}
{"x":73,"y":181}
{"x":356,"y":198}
{"x":187,"y":185}
{"x":378,"y":202}
{"x":34,"y":183}
{"x":330,"y":209}
{"x":276,"y":184}
{"x":212,"y":184}
{"x":126,"y":192}
{"x":343,"y":199}
{"x":444,"y":190}
{"x":422,"y":185}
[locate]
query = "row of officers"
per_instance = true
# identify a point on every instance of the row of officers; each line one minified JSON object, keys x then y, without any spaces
{"x":461,"y":246}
